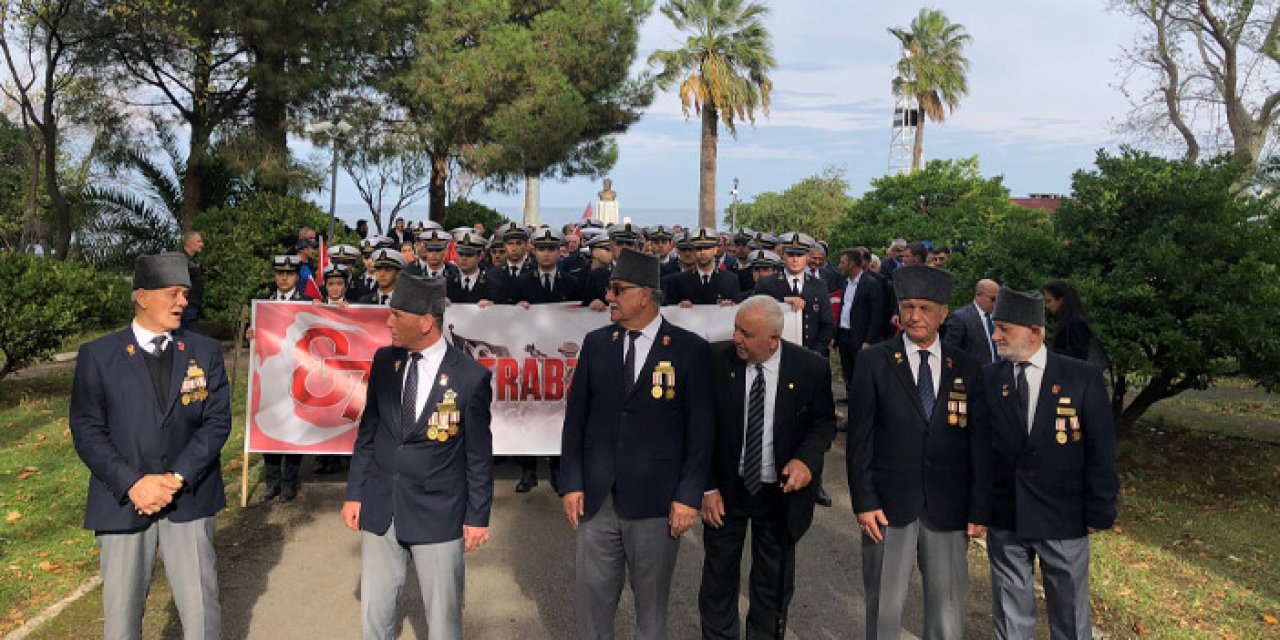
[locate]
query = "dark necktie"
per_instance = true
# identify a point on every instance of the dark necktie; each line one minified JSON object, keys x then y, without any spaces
{"x":546,"y":282}
{"x":515,"y":271}
{"x":1024,"y":393}
{"x":795,"y":286}
{"x":466,"y":284}
{"x":409,"y":400}
{"x":991,"y":332}
{"x":706,"y":279}
{"x":924,"y":385}
{"x":157,"y":344}
{"x":629,"y":362}
{"x":753,"y":446}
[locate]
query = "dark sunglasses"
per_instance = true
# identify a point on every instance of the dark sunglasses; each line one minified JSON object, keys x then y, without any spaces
{"x":618,"y":289}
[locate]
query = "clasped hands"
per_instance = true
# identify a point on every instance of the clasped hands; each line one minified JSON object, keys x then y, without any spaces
{"x":679,"y":519}
{"x":153,"y":492}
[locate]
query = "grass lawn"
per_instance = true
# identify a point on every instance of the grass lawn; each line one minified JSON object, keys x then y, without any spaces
{"x":44,"y":552}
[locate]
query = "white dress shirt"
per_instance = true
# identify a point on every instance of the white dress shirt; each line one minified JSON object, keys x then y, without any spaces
{"x":850,"y":289}
{"x":983,"y":316}
{"x":935,"y":361}
{"x":469,"y":280}
{"x":705,"y":276}
{"x":542,"y":276}
{"x":767,"y":471}
{"x":144,"y":338}
{"x":795,"y":281}
{"x":644,"y":342}
{"x":428,"y":367}
{"x":283,"y":295}
{"x":1035,"y":373}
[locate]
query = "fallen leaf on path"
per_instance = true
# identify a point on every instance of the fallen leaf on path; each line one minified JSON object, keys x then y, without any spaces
{"x":1270,"y":619}
{"x":1139,"y":628}
{"x":13,"y":517}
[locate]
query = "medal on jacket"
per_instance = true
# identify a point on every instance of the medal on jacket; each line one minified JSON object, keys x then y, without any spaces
{"x":958,"y":405}
{"x":194,"y":386}
{"x":1066,"y":417}
{"x":664,"y":381}
{"x":444,"y":422}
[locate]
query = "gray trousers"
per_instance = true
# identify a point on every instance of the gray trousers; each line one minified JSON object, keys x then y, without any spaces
{"x":1064,"y":567}
{"x":609,"y":547}
{"x":383,"y":565}
{"x":886,"y":574}
{"x":127,"y":560}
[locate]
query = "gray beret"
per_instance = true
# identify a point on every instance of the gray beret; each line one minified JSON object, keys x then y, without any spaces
{"x":1025,"y":308}
{"x":419,"y":296}
{"x":918,"y":282}
{"x":161,"y":271}
{"x":638,"y":268}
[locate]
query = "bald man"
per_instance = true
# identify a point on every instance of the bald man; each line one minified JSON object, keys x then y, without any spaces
{"x":969,"y":328}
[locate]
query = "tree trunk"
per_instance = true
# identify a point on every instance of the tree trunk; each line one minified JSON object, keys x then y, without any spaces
{"x":531,"y":196}
{"x":269,"y":112}
{"x":437,"y":190}
{"x":1156,"y":390}
{"x":191,"y":180}
{"x":58,"y":204}
{"x":917,"y":152}
{"x":707,"y":168}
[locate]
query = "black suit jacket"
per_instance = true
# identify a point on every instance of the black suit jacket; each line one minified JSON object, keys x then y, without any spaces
{"x":1042,"y":488}
{"x":501,"y":285}
{"x":965,"y":331}
{"x":481,"y":288}
{"x":416,"y":268}
{"x":564,"y":287}
{"x":819,"y":329}
{"x":688,"y":286}
{"x":122,"y":431}
{"x":597,"y":285}
{"x":907,"y":466}
{"x":648,"y":452}
{"x":867,"y":312}
{"x":432,"y":488}
{"x":804,"y":423}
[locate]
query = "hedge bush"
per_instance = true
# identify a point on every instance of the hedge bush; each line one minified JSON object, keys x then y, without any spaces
{"x":51,"y":301}
{"x":465,"y":213}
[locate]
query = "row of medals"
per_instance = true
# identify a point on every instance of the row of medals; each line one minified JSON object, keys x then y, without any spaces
{"x":194,"y":385}
{"x":443,"y":424}
{"x":957,"y":405}
{"x":664,"y":375}
{"x":1067,"y":417}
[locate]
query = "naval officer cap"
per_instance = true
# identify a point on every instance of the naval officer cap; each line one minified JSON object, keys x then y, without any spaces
{"x":336,"y":271}
{"x":435,"y":239}
{"x":285,"y":263}
{"x":704,"y":238}
{"x":344,"y":254}
{"x":638,"y":269}
{"x":623,"y":233}
{"x":419,"y":296}
{"x":659,"y":233}
{"x":547,"y":238}
{"x":1024,"y":308}
{"x":598,"y":240}
{"x":161,"y":271}
{"x":469,"y":242}
{"x":388,"y":258}
{"x":510,"y":231}
{"x":795,"y":243}
{"x":918,"y":282}
{"x":764,"y":259}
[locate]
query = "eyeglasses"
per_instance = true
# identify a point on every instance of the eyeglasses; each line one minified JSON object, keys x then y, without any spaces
{"x":619,"y":289}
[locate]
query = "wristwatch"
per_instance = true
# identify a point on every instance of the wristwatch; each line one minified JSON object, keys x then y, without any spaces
{"x":181,"y":480}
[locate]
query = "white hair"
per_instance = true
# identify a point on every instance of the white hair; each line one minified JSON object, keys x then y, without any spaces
{"x":768,"y":309}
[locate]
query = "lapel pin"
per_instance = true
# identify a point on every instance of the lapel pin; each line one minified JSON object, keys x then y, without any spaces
{"x":615,"y":336}
{"x":791,"y":385}
{"x":182,"y":346}
{"x":1004,"y":391}
{"x":1056,"y":389}
{"x":397,"y":366}
{"x":897,"y":356}
{"x":130,"y":349}
{"x":951,"y":363}
{"x":666,"y":341}
{"x":444,"y":379}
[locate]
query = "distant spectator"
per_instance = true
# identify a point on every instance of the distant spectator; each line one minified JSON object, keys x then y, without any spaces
{"x":918,"y":253}
{"x":1072,"y":335}
{"x":362,"y":228}
{"x":938,"y":257}
{"x":192,"y":244}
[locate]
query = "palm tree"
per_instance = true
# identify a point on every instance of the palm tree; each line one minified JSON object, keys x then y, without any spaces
{"x":932,"y":69}
{"x":722,"y":71}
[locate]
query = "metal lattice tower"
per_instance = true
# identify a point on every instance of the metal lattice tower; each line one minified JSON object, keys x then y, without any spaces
{"x":902,"y":139}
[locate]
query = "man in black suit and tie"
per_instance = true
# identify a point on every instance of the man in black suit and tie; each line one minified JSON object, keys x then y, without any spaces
{"x":704,"y":283}
{"x":502,"y":277}
{"x":918,"y":460}
{"x":970,"y":328}
{"x":775,"y":419}
{"x":635,"y":452}
{"x":469,"y":284}
{"x":860,"y":320}
{"x":431,"y":247}
{"x":150,"y":411}
{"x":805,"y":293}
{"x":1054,"y":479}
{"x":280,"y":470}
{"x":421,"y":480}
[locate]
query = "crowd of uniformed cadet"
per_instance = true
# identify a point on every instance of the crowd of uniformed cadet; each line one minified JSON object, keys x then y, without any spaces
{"x":846,"y":307}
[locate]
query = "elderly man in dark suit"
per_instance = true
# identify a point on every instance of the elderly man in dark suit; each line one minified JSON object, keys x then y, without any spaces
{"x":150,"y":411}
{"x":918,"y":462}
{"x":1054,"y":479}
{"x":635,"y":452}
{"x":421,"y":480}
{"x":970,"y":328}
{"x":775,"y":419}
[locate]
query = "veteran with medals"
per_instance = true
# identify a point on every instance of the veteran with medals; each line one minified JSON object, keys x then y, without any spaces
{"x":150,"y":411}
{"x":918,"y":460}
{"x":1054,"y":476}
{"x":635,"y":452}
{"x":421,"y":479}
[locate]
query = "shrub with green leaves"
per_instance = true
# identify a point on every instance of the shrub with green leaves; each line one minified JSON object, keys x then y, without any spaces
{"x":50,"y":301}
{"x":465,"y":213}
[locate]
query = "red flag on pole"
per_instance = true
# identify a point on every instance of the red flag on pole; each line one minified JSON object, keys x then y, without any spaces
{"x":315,"y":286}
{"x":588,"y":213}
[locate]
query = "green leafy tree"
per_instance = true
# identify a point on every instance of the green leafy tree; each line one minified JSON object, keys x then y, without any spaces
{"x":1181,"y":277}
{"x":932,"y":70}
{"x":15,"y":168}
{"x":814,"y":206}
{"x":466,"y":213}
{"x":722,"y":71}
{"x":952,"y":204}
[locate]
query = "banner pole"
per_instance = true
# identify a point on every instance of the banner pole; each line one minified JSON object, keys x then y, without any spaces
{"x":235,"y":368}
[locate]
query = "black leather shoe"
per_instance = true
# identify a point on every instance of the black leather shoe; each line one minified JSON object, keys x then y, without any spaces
{"x":288,"y":496}
{"x":527,"y":482}
{"x":270,"y":493}
{"x":823,"y":498}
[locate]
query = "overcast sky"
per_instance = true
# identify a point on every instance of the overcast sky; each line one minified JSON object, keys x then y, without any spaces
{"x":1042,"y":100}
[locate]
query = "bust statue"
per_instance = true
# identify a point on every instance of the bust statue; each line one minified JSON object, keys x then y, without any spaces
{"x":608,"y":194}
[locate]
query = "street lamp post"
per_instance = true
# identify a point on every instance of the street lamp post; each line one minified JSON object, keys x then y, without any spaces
{"x":734,"y":207}
{"x":335,"y":129}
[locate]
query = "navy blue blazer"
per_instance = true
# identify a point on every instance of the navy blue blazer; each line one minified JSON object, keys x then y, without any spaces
{"x":909,"y":466}
{"x":687,"y":285}
{"x":432,"y":488}
{"x":122,"y":432}
{"x":650,"y":451}
{"x":1042,"y":487}
{"x":819,"y":329}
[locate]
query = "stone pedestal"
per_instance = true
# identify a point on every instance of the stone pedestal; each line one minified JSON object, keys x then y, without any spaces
{"x":607,"y":212}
